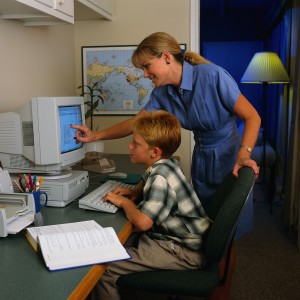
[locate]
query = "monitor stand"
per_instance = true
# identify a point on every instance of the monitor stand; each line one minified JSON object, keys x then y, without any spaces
{"x":61,"y":175}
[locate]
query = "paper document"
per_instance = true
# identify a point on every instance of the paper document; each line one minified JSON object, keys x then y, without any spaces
{"x":77,"y":244}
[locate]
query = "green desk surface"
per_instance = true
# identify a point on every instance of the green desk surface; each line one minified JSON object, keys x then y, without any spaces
{"x":23,"y":274}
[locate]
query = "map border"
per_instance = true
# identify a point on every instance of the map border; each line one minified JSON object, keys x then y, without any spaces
{"x":84,"y":51}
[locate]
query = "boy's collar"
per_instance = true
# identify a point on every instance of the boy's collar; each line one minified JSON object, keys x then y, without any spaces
{"x":161,"y":161}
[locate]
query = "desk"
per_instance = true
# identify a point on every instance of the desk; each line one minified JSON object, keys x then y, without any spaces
{"x":23,"y":273}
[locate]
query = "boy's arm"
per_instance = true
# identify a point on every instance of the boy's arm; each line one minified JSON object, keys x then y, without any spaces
{"x":138,"y":191}
{"x":140,"y":220}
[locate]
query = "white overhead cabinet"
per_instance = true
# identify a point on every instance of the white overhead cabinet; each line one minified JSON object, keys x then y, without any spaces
{"x":49,"y":12}
{"x":64,"y":6}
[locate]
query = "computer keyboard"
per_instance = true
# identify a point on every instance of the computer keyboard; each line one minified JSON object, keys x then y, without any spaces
{"x":94,"y":200}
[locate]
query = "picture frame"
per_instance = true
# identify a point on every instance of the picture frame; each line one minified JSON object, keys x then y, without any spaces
{"x":124,"y":89}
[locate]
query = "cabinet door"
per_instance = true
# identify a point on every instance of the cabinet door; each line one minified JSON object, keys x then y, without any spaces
{"x":60,"y":9}
{"x":64,"y":6}
{"x":38,"y":4}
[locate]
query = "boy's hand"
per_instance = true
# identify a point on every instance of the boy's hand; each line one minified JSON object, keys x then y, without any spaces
{"x":115,"y":199}
{"x":123,"y":192}
{"x":128,"y":193}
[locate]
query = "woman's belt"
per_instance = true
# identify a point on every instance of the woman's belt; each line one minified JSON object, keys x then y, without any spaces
{"x":207,"y":138}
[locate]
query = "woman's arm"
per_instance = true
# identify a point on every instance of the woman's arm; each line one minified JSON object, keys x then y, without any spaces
{"x":85,"y":135}
{"x":247,"y":112}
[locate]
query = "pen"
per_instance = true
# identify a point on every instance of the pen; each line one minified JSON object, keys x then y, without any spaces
{"x":18,"y":185}
{"x":27,"y":189}
{"x":41,"y":181}
{"x":20,"y":182}
{"x":30,"y":182}
{"x":34,"y":183}
{"x":37,"y":185}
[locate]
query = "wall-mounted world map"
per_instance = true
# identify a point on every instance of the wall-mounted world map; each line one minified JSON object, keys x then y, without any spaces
{"x":125,"y":90}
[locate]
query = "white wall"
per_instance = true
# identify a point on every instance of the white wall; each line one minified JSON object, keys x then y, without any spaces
{"x":46,"y":61}
{"x":35,"y":61}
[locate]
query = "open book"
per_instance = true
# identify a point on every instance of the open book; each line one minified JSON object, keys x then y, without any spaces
{"x":76,"y":244}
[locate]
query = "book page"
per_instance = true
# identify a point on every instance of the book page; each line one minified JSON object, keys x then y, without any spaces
{"x":81,"y":247}
{"x":68,"y":227}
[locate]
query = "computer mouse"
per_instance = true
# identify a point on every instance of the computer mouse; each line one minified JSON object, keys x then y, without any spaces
{"x":118,"y":175}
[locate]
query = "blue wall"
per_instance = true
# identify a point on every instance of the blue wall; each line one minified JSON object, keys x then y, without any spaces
{"x":235,"y":57}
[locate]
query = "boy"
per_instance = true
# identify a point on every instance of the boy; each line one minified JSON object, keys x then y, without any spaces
{"x":170,"y":218}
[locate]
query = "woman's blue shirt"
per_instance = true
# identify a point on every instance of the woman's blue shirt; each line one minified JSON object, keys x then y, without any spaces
{"x":204,"y":104}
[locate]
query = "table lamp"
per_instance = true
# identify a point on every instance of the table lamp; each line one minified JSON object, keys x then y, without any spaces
{"x":265,"y":68}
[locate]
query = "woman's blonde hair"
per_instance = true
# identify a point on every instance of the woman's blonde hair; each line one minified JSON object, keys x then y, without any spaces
{"x":159,"y":129}
{"x":153,"y":46}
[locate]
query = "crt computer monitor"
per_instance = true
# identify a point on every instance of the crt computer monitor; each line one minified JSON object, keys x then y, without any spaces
{"x":37,"y":137}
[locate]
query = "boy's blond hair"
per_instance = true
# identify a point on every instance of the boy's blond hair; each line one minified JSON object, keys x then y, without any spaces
{"x":159,"y":129}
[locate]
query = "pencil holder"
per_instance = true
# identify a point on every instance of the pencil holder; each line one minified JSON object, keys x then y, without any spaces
{"x":40,"y":200}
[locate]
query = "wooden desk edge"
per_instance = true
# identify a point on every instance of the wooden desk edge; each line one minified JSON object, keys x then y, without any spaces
{"x":85,"y":286}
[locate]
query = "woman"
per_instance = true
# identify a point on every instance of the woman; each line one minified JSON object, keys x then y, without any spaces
{"x":205,"y":99}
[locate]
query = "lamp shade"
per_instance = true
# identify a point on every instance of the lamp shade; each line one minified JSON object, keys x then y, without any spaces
{"x":265,"y":67}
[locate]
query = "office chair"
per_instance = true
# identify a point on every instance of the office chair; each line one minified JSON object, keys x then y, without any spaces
{"x":214,"y":280}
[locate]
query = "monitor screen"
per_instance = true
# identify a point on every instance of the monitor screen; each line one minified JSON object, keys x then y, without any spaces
{"x":69,"y":115}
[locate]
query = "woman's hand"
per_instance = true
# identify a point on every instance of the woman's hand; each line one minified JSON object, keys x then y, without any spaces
{"x":245,"y":162}
{"x":247,"y":112}
{"x":84,"y":134}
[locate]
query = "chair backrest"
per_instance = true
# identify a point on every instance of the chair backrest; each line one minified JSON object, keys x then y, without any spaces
{"x":225,"y":209}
